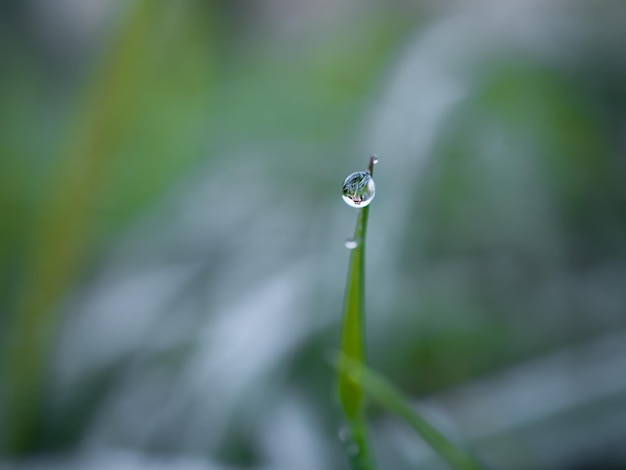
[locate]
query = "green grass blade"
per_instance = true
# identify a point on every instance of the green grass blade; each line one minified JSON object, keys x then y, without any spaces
{"x":351,"y":396}
{"x":357,"y":445}
{"x":381,"y":391}
{"x":352,"y":334}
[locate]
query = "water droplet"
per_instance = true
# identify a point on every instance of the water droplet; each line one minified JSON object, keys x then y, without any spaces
{"x":344,"y":434}
{"x":352,"y":449}
{"x":351,"y":243}
{"x":375,"y":160}
{"x":358,"y":189}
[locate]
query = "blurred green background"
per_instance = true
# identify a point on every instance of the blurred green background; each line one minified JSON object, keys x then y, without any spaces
{"x":171,"y":229}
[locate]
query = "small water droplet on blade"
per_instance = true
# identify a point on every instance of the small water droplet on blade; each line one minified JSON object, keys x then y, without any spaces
{"x":358,"y":189}
{"x":351,"y":243}
{"x":375,"y":160}
{"x":352,"y":449}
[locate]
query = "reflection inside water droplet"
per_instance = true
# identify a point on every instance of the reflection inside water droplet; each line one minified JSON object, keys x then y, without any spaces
{"x":351,"y":243}
{"x":375,"y":160}
{"x":358,"y":189}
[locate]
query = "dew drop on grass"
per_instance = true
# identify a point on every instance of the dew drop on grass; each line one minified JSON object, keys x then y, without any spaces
{"x":352,"y":449}
{"x":375,"y":160}
{"x":358,"y":189}
{"x":351,"y":243}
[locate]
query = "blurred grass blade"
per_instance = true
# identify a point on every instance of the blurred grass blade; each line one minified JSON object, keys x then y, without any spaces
{"x":380,"y":390}
{"x":350,"y":394}
{"x":60,"y":233}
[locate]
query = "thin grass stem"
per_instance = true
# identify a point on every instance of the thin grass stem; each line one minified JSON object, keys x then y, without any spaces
{"x":351,"y":396}
{"x":384,"y":393}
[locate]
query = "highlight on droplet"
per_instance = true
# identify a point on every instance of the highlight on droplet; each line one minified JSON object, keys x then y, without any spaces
{"x":351,"y":244}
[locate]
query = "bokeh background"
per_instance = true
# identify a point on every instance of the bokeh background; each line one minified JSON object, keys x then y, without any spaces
{"x":171,"y":229}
